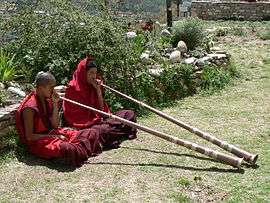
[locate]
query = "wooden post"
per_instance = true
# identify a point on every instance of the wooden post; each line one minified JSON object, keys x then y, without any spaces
{"x":169,"y":13}
{"x":178,"y":8}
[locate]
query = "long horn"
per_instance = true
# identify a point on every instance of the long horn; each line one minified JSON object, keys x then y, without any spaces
{"x":236,"y":162}
{"x":248,"y":157}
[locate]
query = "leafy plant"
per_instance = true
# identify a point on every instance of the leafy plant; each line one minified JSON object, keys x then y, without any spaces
{"x":177,"y":82}
{"x":7,"y":66}
{"x":214,"y":78}
{"x":190,"y":31}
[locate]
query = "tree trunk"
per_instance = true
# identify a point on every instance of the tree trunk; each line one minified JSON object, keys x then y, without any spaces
{"x":169,"y":13}
{"x":178,"y":8}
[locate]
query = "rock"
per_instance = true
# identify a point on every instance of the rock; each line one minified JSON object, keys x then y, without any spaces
{"x":7,"y":116}
{"x":131,"y":35}
{"x":203,"y":61}
{"x":217,"y":50}
{"x":182,"y":47}
{"x":163,"y":25}
{"x":217,"y":56}
{"x":145,"y":56}
{"x":175,"y":56}
{"x":211,"y":30}
{"x":16,"y":91}
{"x":190,"y":60}
{"x":2,"y":86}
{"x":13,"y":84}
{"x":214,"y":49}
{"x":169,"y":50}
{"x":155,"y":72}
{"x":165,"y":33}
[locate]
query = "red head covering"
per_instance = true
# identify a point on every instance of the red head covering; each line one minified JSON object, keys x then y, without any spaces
{"x":79,"y":90}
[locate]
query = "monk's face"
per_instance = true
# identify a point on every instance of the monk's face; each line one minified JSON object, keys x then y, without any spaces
{"x":48,"y":89}
{"x":91,"y":75}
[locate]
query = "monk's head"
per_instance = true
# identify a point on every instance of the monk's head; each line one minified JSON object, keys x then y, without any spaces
{"x":45,"y":83}
{"x":91,"y":71}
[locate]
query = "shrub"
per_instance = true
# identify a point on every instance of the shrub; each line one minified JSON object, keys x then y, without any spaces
{"x":190,"y":31}
{"x":177,"y":82}
{"x":214,"y":78}
{"x":55,"y":35}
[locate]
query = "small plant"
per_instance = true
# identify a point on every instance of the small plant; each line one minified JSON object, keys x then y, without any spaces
{"x":222,"y":31}
{"x":190,"y":31}
{"x":183,"y":181}
{"x":178,"y":197}
{"x":264,"y":35}
{"x":238,"y":31}
{"x":7,"y":66}
{"x":208,"y":42}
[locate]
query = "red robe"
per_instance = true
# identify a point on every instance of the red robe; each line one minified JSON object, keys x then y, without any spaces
{"x":75,"y":116}
{"x":75,"y":148}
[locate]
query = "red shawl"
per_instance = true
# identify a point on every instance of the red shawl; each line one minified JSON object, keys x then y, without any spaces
{"x":41,"y":121}
{"x":79,"y":90}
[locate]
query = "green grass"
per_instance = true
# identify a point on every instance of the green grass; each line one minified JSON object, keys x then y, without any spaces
{"x":149,"y":169}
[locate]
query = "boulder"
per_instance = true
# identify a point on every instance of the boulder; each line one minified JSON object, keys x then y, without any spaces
{"x":190,"y":60}
{"x":166,"y":33}
{"x":175,"y":57}
{"x":131,"y":35}
{"x":182,"y":47}
{"x":16,"y":91}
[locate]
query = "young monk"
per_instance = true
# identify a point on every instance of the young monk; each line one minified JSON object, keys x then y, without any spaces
{"x":37,"y":122}
{"x":84,"y":88}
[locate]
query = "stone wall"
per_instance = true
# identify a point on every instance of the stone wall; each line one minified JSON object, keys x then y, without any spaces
{"x":242,"y":10}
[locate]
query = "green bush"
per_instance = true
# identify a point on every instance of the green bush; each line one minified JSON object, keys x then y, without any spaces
{"x":190,"y":31}
{"x":177,"y":82}
{"x":55,"y":35}
{"x":214,"y":78}
{"x":7,"y":66}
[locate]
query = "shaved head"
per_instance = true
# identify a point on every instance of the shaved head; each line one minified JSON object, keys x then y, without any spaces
{"x":44,"y":78}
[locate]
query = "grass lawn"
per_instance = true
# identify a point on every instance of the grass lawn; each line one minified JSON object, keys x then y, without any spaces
{"x":149,"y":169}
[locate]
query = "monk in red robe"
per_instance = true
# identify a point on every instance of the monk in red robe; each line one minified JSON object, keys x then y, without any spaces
{"x":85,"y":88}
{"x":37,"y":122}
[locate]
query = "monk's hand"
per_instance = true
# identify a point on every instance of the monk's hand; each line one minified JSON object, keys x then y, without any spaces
{"x":60,"y":90}
{"x":97,"y":85}
{"x":62,"y":137}
{"x":55,"y":97}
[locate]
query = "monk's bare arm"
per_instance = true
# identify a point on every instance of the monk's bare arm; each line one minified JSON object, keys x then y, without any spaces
{"x":55,"y":116}
{"x":55,"y":120}
{"x":28,"y":120}
{"x":100,"y":99}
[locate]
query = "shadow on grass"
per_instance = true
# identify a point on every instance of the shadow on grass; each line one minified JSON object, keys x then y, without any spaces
{"x":24,"y":156}
{"x":246,"y":165}
{"x":172,"y":153}
{"x":209,"y":169}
